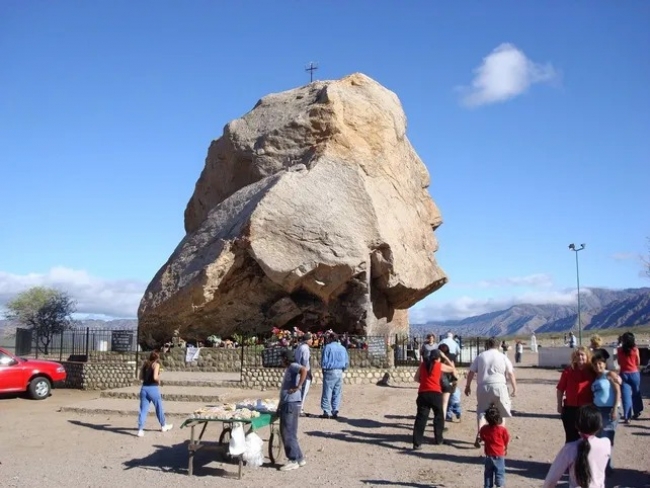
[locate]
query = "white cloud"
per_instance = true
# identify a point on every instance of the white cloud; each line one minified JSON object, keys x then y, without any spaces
{"x":463,"y":307}
{"x":625,"y":256}
{"x":537,"y":280}
{"x":114,"y":298}
{"x":504,"y":74}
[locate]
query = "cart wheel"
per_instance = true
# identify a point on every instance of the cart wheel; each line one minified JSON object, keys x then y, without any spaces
{"x":224,"y":438}
{"x":275,"y":448}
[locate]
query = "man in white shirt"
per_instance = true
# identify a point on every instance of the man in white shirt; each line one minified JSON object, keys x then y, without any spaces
{"x":492,"y":370}
{"x":454,"y":348}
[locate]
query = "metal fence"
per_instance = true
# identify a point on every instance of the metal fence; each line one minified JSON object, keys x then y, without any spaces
{"x":77,"y":343}
{"x":258,"y":351}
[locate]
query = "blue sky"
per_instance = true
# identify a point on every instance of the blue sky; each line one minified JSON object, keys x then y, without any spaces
{"x":532,"y":117}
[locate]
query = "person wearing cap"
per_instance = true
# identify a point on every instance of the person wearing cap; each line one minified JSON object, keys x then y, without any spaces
{"x":429,"y":375}
{"x":454,"y":348}
{"x":334,"y":361}
{"x":302,"y":355}
{"x":294,"y":379}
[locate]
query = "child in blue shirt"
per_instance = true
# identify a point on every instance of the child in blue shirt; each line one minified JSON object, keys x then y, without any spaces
{"x":607,"y":397}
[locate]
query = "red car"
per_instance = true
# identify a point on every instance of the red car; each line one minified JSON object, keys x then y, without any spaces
{"x":29,"y":375}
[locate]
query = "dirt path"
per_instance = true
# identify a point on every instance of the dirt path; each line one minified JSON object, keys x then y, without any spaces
{"x":40,"y":446}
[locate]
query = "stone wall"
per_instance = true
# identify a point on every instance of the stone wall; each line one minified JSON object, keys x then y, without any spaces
{"x":100,"y":375}
{"x":219,"y":359}
{"x":271,"y":378}
{"x":211,"y":359}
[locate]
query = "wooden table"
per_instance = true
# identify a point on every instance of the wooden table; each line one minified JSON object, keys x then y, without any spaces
{"x":265,"y":419}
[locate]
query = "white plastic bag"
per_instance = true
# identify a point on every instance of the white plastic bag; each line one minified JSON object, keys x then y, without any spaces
{"x":237,"y":444}
{"x":253,"y":454}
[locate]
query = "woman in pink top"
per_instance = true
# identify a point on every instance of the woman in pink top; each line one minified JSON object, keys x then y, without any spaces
{"x":586,"y":458}
{"x":628,"y":361}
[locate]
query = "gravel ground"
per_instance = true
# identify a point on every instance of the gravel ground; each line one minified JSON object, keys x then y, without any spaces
{"x":40,"y":446}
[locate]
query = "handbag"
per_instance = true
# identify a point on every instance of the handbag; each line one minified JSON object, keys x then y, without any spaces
{"x":448,"y":382}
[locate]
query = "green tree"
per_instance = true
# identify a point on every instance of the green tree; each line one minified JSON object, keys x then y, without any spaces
{"x":46,"y":311}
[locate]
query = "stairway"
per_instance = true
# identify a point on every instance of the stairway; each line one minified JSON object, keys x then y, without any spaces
{"x":182,"y":393}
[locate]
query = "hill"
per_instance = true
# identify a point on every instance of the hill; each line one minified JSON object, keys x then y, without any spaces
{"x":601,"y":309}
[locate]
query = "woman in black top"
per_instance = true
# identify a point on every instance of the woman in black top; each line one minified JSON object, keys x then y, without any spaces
{"x":150,"y":393}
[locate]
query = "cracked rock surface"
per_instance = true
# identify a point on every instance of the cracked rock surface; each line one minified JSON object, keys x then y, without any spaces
{"x":312,"y":210}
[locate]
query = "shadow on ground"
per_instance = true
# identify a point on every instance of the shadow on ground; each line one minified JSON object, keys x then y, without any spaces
{"x":106,"y":427}
{"x":400,"y":483}
{"x":174,"y":459}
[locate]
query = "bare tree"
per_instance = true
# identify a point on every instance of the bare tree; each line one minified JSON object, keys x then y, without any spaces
{"x":46,"y":311}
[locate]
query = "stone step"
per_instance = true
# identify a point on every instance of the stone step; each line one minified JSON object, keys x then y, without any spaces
{"x":118,"y":406}
{"x":201,"y":394}
{"x":199,"y":383}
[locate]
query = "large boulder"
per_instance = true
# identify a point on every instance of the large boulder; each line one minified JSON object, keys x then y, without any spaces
{"x":311,"y":209}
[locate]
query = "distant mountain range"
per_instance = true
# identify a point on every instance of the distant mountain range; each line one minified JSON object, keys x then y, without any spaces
{"x":601,"y":309}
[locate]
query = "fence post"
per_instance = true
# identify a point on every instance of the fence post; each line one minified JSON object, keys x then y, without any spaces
{"x":61,"y":347}
{"x":241,"y":360}
{"x":87,"y":341}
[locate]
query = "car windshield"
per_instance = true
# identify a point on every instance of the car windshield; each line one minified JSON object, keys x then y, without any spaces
{"x":6,"y":359}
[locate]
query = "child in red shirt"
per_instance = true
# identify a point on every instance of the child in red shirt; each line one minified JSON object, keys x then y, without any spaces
{"x":495,"y":438}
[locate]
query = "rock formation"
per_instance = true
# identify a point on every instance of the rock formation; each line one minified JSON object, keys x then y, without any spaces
{"x":312,"y":210}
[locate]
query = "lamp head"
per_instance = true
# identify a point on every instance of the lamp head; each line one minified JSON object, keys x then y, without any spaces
{"x":582,"y":246}
{"x":572,"y":246}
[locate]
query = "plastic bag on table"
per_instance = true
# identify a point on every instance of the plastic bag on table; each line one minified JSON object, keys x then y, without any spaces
{"x":253,"y":454}
{"x":237,"y":444}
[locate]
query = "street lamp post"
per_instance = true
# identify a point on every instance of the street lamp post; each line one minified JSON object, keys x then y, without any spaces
{"x":576,"y":250}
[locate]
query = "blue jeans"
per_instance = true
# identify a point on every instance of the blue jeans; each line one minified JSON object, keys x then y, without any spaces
{"x":495,"y":472}
{"x":609,"y":428}
{"x":150,"y":394}
{"x":631,"y":393}
{"x":330,"y":400}
{"x":289,"y":415}
{"x":454,"y":405}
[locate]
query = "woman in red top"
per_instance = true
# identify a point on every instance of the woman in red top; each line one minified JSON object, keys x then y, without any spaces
{"x":430,"y":396}
{"x":574,"y":390}
{"x":628,"y":362}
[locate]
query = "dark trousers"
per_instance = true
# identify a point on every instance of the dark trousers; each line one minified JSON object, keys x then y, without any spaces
{"x":495,"y":472}
{"x":289,"y":415}
{"x":426,"y":402}
{"x":517,"y":357}
{"x":569,"y":419}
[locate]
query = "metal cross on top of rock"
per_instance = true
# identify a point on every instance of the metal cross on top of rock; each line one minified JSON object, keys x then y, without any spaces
{"x":311,"y":68}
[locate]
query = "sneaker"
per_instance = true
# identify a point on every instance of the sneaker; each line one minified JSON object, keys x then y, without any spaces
{"x":417,"y":447}
{"x":141,"y":433}
{"x":325,"y":416}
{"x":335,"y":415}
{"x":290,"y":466}
{"x":167,"y":427}
{"x":302,"y":462}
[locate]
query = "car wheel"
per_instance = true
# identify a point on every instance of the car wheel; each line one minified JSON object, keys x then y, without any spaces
{"x":39,"y":388}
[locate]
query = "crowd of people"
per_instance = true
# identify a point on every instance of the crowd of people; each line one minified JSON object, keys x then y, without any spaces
{"x":591,"y":400}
